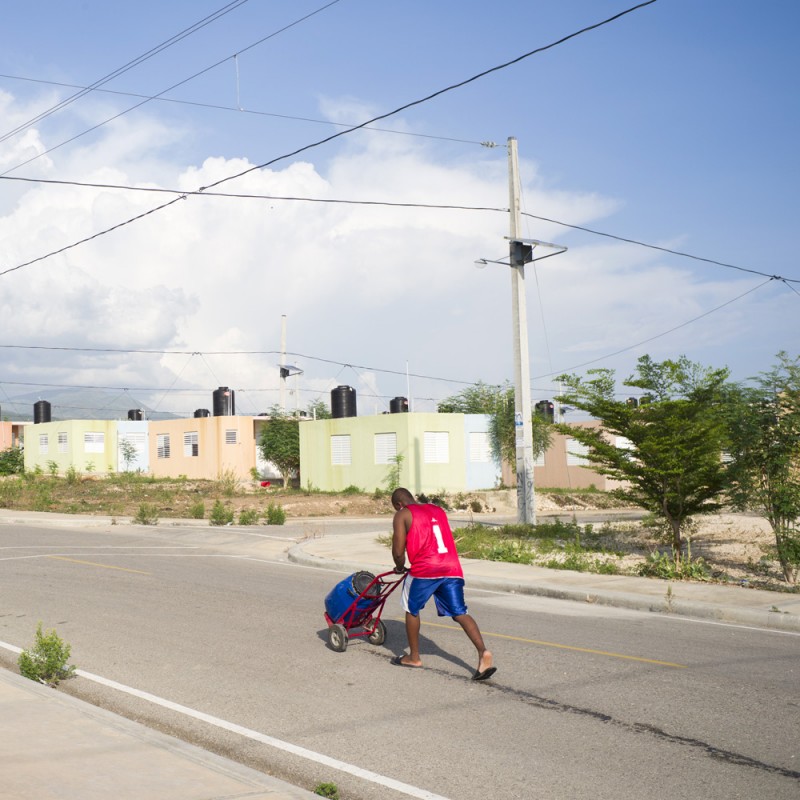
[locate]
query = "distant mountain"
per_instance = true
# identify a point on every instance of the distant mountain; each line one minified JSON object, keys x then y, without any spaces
{"x":78,"y":404}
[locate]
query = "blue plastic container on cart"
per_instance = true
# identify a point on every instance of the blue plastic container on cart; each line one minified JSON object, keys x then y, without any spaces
{"x":341,"y":597}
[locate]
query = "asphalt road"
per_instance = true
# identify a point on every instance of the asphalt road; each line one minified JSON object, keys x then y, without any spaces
{"x":588,"y":702}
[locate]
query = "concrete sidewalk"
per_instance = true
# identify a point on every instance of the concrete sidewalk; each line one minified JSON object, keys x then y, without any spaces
{"x":53,"y":746}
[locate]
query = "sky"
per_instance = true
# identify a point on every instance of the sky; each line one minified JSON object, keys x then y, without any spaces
{"x":675,"y":126}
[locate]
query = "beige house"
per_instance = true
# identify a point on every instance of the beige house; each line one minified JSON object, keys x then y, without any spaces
{"x":203,"y":447}
{"x":564,"y":465}
{"x":11,"y":434}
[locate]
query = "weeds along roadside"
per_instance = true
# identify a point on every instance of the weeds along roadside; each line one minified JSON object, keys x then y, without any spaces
{"x":142,"y":498}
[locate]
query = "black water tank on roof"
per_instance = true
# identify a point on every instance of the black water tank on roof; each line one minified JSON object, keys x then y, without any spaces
{"x":398,"y":405}
{"x":202,"y":412}
{"x":224,"y":402}
{"x":343,"y":402}
{"x":135,"y":414}
{"x":41,"y":412}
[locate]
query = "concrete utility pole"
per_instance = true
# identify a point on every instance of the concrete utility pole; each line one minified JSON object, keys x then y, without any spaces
{"x":284,"y":373}
{"x":526,"y":503}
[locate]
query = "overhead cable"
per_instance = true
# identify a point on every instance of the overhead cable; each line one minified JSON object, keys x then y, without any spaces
{"x":658,"y":335}
{"x":237,"y":110}
{"x":84,"y":90}
{"x":340,"y":133}
{"x":170,"y":88}
{"x":390,"y":204}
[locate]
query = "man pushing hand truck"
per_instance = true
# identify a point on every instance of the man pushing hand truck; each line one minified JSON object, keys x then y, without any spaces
{"x":422,"y":532}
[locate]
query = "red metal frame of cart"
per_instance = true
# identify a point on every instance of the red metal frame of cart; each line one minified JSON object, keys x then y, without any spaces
{"x":367,"y":616}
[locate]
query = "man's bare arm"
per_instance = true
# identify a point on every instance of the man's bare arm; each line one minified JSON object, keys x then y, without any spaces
{"x":400,"y":529}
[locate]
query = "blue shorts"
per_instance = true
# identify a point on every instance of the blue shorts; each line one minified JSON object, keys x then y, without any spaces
{"x":448,"y":594}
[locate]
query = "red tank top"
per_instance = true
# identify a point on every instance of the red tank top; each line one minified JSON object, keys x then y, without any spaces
{"x":430,"y":545}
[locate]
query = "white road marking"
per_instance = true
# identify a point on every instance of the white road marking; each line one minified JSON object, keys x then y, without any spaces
{"x":278,"y":744}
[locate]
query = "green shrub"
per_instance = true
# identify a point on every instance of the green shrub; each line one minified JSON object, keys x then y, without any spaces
{"x":605,"y":567}
{"x":197,"y":510}
{"x":12,"y":462}
{"x":275,"y":514}
{"x":351,"y":490}
{"x":574,"y":560}
{"x":52,"y":468}
{"x":10,"y":492}
{"x":72,"y":475}
{"x":329,"y":790}
{"x":664,"y":565}
{"x":227,"y":482}
{"x":146,"y":515}
{"x":46,"y":661}
{"x":249,"y":516}
{"x":42,"y":497}
{"x":514,"y":552}
{"x":220,"y":514}
{"x":438,"y":499}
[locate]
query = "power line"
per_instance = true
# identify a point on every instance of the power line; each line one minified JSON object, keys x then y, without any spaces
{"x":662,"y":249}
{"x":340,"y":133}
{"x":390,"y":204}
{"x":247,"y":196}
{"x":237,"y":110}
{"x":126,"y":67}
{"x":658,"y":335}
{"x":345,"y":364}
{"x":214,"y":353}
{"x":174,"y":86}
{"x":435,"y":94}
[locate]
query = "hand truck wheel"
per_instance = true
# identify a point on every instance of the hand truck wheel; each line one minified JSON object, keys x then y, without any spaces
{"x":337,"y":638}
{"x":378,"y":636}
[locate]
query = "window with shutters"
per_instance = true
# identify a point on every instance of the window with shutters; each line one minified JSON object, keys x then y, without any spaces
{"x":480,"y":451}
{"x":62,"y":442}
{"x":385,"y":448}
{"x":340,"y":450}
{"x":576,"y":453}
{"x":162,"y":445}
{"x":43,"y":444}
{"x":436,"y":447}
{"x":191,"y":444}
{"x":94,"y":442}
{"x":231,"y":436}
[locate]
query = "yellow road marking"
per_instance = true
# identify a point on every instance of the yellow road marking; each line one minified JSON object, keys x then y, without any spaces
{"x":95,"y":564}
{"x":565,"y":647}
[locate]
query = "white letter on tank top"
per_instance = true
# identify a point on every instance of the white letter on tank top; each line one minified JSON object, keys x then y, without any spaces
{"x":437,"y":532}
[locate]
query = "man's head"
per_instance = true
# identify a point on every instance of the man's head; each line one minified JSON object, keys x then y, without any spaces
{"x":401,"y":498}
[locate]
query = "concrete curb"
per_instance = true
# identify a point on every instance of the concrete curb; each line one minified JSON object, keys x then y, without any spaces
{"x":668,"y":604}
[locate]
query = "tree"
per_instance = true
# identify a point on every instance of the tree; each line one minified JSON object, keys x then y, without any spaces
{"x":671,"y":463}
{"x":480,"y":398}
{"x":279,"y":443}
{"x":128,"y":451}
{"x":318,"y":409}
{"x":764,"y":452}
{"x":498,"y":403}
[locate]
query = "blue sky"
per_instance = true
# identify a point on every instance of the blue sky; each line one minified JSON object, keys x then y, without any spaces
{"x":676,"y":125}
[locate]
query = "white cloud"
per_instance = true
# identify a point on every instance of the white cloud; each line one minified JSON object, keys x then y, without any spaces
{"x":369,"y":286}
